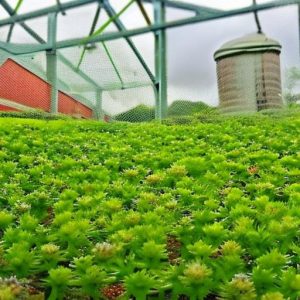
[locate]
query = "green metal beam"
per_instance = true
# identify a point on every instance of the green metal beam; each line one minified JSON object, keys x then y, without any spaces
{"x":61,"y":8}
{"x":99,"y":109}
{"x":160,"y":60}
{"x":121,"y":27}
{"x":45,"y":11}
{"x":188,"y":6}
{"x":96,"y":18}
{"x":30,"y":48}
{"x":117,"y":72}
{"x":10,"y":11}
{"x":299,"y":27}
{"x":143,"y":12}
{"x":178,"y":23}
{"x":52,"y":62}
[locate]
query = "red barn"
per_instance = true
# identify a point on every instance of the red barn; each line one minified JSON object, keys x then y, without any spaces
{"x":24,"y":89}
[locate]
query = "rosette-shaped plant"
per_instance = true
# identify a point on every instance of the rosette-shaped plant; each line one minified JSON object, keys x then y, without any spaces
{"x":196,"y":166}
{"x":6,"y":219}
{"x":152,"y":254}
{"x":200,"y":250}
{"x":146,"y":201}
{"x":290,"y":284}
{"x":92,"y":280}
{"x":131,"y":174}
{"x":103,"y":252}
{"x":20,"y":260}
{"x":196,"y":280}
{"x":139,"y":284}
{"x":274,"y":260}
{"x":154,"y":179}
{"x":215,"y":233}
{"x":59,"y":279}
{"x":228,"y":261}
{"x":50,"y":255}
{"x":239,"y":288}
{"x":75,"y":234}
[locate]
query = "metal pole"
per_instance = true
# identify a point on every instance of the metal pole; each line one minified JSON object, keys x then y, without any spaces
{"x":198,"y":9}
{"x":299,"y":26}
{"x":52,"y":62}
{"x":258,"y":25}
{"x":99,"y":110}
{"x":160,"y":60}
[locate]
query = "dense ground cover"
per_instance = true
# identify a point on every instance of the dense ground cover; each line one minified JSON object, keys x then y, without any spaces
{"x":205,"y":211}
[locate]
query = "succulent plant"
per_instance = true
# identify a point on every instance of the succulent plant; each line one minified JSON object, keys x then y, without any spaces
{"x":113,"y":211}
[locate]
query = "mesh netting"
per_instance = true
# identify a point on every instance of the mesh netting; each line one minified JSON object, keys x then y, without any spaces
{"x":100,"y":80}
{"x":109,"y":82}
{"x":123,"y":84}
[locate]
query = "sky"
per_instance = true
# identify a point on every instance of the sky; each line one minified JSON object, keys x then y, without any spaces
{"x":191,"y":67}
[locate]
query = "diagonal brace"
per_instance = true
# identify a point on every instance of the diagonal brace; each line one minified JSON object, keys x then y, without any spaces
{"x":121,"y":27}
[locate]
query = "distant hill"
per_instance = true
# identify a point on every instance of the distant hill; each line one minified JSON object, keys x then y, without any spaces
{"x":187,"y":108}
{"x":140,"y":113}
{"x":178,"y":108}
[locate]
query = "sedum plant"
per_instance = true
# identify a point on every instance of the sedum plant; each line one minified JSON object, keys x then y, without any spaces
{"x":59,"y":279}
{"x":139,"y":284}
{"x":196,"y":280}
{"x":117,"y":211}
{"x":239,"y":288}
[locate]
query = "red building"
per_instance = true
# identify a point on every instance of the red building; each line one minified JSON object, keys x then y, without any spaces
{"x":22,"y":87}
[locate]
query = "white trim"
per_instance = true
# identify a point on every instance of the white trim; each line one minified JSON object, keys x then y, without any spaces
{"x":15,"y":105}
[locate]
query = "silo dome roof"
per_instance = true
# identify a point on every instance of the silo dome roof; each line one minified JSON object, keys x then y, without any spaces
{"x":257,"y":42}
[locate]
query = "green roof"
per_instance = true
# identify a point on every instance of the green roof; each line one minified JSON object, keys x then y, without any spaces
{"x":257,"y":42}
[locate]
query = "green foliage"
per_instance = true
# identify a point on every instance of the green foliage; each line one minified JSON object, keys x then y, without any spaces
{"x":35,"y":114}
{"x":196,"y":280}
{"x":5,"y":219}
{"x":187,"y":108}
{"x":179,"y":112}
{"x":139,"y":284}
{"x":204,"y":210}
{"x":59,"y":279}
{"x":239,"y":288}
{"x":140,"y":113}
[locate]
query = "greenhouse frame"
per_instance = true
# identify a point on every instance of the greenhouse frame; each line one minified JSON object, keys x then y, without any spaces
{"x":158,"y":81}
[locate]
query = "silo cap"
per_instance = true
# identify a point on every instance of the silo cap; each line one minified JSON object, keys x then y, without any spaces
{"x":257,"y":42}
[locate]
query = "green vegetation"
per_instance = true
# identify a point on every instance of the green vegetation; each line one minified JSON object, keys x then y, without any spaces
{"x":188,"y":108}
{"x":209,"y":210}
{"x":140,"y":113}
{"x":34,"y":114}
{"x":178,"y":109}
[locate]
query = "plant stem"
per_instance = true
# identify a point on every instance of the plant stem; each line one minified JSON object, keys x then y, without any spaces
{"x":53,"y":294}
